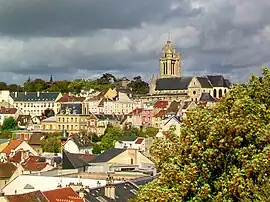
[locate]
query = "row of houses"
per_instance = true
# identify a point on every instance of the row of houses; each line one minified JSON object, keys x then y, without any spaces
{"x":110,"y":101}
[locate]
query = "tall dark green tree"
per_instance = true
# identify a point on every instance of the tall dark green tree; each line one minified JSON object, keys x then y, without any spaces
{"x":111,"y":135}
{"x":139,"y":86}
{"x":222,"y":154}
{"x":9,"y":124}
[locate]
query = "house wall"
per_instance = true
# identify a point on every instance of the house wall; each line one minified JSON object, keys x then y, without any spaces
{"x":4,"y":96}
{"x":71,"y":123}
{"x":130,"y":144}
{"x":71,"y":147}
{"x":146,"y":117}
{"x":35,"y":108}
{"x":3,"y":199}
{"x":172,"y":123}
{"x":132,"y":157}
{"x":98,"y":168}
{"x":216,"y":92}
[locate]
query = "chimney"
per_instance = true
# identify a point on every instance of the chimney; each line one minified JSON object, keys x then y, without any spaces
{"x":81,"y":193}
{"x":110,"y":188}
{"x":38,"y":93}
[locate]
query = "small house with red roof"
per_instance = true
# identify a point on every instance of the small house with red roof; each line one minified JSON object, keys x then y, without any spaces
{"x":15,"y":145}
{"x":132,"y":142}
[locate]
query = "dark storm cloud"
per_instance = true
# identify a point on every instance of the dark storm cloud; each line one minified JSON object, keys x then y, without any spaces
{"x":84,"y":38}
{"x":71,"y":17}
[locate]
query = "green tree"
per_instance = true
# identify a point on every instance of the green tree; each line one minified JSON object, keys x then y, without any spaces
{"x":108,"y":140}
{"x":76,"y":86}
{"x":96,"y":148}
{"x":130,"y":131}
{"x":139,"y":86}
{"x":9,"y":124}
{"x":51,"y":143}
{"x":14,"y":88}
{"x":221,"y":154}
{"x":49,"y":112}
{"x":149,"y":132}
{"x":3,"y":86}
{"x":60,"y":86}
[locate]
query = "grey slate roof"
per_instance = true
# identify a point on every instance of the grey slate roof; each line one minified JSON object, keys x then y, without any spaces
{"x":217,"y":81}
{"x":107,"y":155}
{"x":205,"y":83}
{"x":228,"y":83}
{"x":82,"y":141}
{"x":176,"y":83}
{"x":71,"y":161}
{"x":207,"y":97}
{"x":123,"y":191}
{"x":34,"y":96}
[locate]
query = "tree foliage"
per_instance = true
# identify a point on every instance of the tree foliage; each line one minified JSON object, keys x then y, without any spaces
{"x":222,"y":154}
{"x":49,"y":112}
{"x":96,"y":148}
{"x":139,"y":86}
{"x":9,"y":124}
{"x":51,"y":143}
{"x":111,"y":135}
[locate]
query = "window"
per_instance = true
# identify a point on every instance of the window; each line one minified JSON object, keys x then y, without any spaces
{"x":194,"y":92}
{"x":131,"y":161}
{"x":215,"y":93}
{"x":220,"y":93}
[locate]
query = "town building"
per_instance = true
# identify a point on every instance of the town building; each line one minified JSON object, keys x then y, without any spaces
{"x":31,"y":103}
{"x":170,"y":84}
{"x":78,"y":144}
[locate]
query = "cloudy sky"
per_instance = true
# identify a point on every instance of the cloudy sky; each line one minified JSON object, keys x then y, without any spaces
{"x":85,"y":38}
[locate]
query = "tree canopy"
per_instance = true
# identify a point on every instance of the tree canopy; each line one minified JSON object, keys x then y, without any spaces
{"x":139,"y":86}
{"x":106,"y":81}
{"x":51,"y":143}
{"x":111,"y":135}
{"x":9,"y":124}
{"x":221,"y":154}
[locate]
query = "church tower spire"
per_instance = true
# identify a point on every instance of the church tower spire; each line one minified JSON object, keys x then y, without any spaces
{"x":169,"y":62}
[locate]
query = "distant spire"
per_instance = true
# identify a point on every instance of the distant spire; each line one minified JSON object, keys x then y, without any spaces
{"x":51,"y":79}
{"x":29,"y":79}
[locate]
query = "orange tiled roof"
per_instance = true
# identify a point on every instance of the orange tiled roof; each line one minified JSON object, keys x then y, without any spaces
{"x":33,"y":164}
{"x":71,"y":98}
{"x":64,"y":194}
{"x":17,"y":157}
{"x":12,"y":145}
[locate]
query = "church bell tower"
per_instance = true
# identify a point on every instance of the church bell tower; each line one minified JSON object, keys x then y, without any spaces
{"x":169,"y":63}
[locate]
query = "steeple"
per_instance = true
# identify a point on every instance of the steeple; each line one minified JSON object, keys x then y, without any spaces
{"x":29,"y":79}
{"x":51,"y":79}
{"x":169,"y":61}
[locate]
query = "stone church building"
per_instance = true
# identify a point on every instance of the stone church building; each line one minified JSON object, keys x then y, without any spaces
{"x":171,"y":85}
